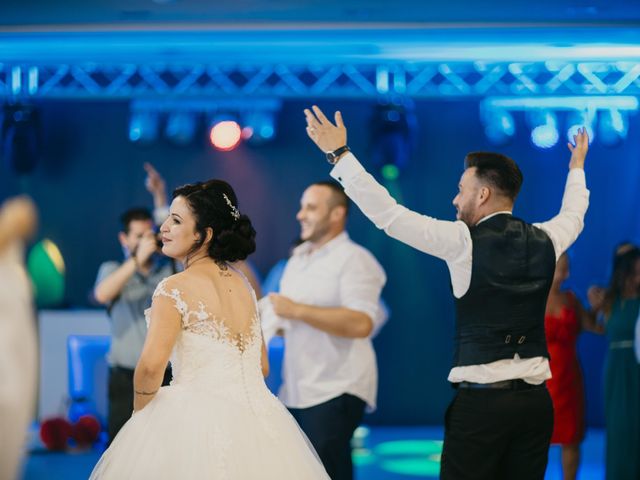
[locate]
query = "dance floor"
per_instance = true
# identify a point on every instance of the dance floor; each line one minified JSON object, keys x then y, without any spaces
{"x":381,"y":453}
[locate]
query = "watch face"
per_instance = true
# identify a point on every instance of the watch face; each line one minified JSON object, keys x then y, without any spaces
{"x":332,"y":157}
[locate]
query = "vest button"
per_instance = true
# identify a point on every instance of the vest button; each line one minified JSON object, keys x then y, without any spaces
{"x":507,"y":339}
{"x":521,"y":340}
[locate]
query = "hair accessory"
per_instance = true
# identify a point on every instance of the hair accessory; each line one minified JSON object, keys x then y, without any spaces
{"x":234,"y":210}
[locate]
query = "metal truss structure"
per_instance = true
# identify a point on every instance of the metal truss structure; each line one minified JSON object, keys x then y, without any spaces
{"x":353,"y":80}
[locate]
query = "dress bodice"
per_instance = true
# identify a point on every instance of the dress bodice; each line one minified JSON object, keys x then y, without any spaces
{"x":622,"y":320}
{"x":209,"y":355}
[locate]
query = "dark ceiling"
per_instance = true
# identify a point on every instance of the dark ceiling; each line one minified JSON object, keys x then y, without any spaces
{"x":18,"y":13}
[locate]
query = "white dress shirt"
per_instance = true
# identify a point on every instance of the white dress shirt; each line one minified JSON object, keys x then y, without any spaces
{"x":318,"y":366}
{"x":451,"y":241}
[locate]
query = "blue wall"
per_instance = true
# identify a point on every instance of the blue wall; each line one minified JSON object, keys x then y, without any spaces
{"x":90,"y":173}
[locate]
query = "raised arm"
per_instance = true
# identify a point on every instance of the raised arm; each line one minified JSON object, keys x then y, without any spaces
{"x":156,"y":186}
{"x":443,"y":239}
{"x":564,"y":228}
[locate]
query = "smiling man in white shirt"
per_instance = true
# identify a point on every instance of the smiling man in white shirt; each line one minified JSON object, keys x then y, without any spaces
{"x":329,"y":303}
{"x":500,"y":422}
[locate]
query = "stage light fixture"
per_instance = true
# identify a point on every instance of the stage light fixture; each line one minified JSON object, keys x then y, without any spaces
{"x":225,"y":134}
{"x":544,"y":133}
{"x":21,"y":131}
{"x":612,"y":127}
{"x":259,"y":127}
{"x":180,"y":128}
{"x":579,"y":119}
{"x":499,"y":126}
{"x":143,"y":127}
{"x":393,"y":125}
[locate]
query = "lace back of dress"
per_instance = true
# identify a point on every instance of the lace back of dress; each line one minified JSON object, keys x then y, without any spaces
{"x":219,"y":315}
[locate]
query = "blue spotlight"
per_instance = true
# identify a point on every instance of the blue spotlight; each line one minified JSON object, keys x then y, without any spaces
{"x":143,"y":127}
{"x":259,"y":127}
{"x":180,"y":128}
{"x":500,"y":126}
{"x":21,"y":134}
{"x":545,"y":132}
{"x":577,"y":120}
{"x":393,"y":126}
{"x":612,"y":127}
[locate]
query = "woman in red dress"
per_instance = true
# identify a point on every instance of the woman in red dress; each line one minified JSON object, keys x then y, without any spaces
{"x":565,"y":317}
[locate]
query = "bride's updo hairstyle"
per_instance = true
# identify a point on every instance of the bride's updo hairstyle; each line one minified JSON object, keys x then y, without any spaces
{"x":215,"y":205}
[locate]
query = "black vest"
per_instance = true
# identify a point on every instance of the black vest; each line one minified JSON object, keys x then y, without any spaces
{"x":502,"y":313}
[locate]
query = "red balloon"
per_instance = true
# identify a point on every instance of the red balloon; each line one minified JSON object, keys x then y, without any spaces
{"x":55,"y":432}
{"x":86,"y":430}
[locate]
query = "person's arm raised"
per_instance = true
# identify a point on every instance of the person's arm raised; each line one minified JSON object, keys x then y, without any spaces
{"x":443,"y":239}
{"x":156,"y":186}
{"x":564,"y":228}
{"x":578,"y":149}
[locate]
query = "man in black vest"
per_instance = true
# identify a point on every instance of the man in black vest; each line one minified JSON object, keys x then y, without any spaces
{"x":499,"y":424}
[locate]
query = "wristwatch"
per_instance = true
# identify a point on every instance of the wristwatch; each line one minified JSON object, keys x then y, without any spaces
{"x":332,"y":157}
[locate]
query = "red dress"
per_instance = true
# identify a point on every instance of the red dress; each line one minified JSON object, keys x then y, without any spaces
{"x":565,"y":386}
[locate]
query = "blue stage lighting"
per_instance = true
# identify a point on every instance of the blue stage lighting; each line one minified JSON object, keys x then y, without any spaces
{"x":143,"y":127}
{"x":21,"y":134}
{"x":259,"y":126}
{"x":500,"y":126}
{"x":612,"y":127}
{"x":577,"y":120}
{"x":545,"y":132}
{"x":393,"y":127}
{"x":225,"y":133}
{"x":181,"y":127}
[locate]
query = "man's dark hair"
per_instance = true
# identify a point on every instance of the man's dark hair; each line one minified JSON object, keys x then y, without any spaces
{"x":338,"y":197}
{"x":497,"y":170}
{"x":138,"y":213}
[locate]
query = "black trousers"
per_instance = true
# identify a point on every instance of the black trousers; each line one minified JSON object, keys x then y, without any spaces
{"x":497,"y":434}
{"x":330,"y":427}
{"x":121,"y":397}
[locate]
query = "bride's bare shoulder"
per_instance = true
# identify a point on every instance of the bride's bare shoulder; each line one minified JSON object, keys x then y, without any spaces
{"x":190,"y":280}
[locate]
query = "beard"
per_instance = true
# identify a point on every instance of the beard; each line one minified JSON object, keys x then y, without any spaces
{"x":466,"y":216}
{"x":314,"y":233}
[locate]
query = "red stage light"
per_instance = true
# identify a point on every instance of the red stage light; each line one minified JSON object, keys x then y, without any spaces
{"x":225,"y":135}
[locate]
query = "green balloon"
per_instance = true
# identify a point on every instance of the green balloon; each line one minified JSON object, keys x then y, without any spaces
{"x":46,"y":269}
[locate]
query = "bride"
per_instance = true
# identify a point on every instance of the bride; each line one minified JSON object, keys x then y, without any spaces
{"x":217,"y":419}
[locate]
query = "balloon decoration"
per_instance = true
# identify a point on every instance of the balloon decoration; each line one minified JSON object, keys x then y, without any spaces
{"x":58,"y":433}
{"x":85,"y":431}
{"x":55,"y":433}
{"x":46,"y":268}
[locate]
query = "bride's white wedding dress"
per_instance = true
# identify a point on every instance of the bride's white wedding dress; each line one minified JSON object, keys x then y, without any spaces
{"x":217,"y":419}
